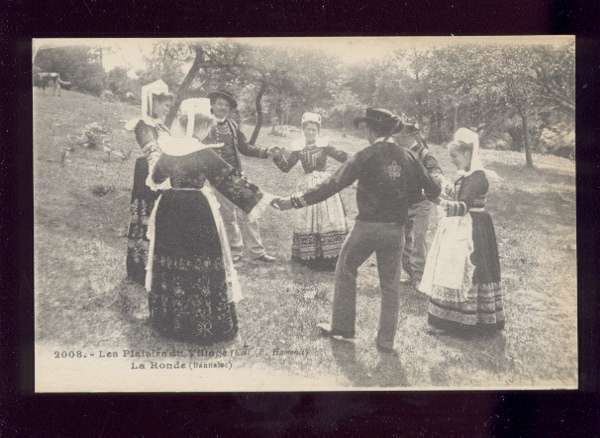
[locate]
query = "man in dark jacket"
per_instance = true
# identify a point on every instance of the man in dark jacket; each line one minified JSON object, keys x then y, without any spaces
{"x":419,"y":212}
{"x":227,"y":131}
{"x":389,"y":177}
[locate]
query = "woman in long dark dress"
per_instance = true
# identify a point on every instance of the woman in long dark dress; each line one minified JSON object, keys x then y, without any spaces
{"x":191,"y":280}
{"x":156,"y":102}
{"x":462,"y":272}
{"x":320,"y":229}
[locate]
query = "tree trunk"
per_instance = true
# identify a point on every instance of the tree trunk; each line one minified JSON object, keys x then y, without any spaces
{"x":528,"y":158}
{"x":436,"y":128}
{"x":189,"y":78}
{"x":455,"y":119}
{"x":259,"y":114}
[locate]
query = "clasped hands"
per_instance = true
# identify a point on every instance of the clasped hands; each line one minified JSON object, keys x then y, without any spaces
{"x":281,"y":203}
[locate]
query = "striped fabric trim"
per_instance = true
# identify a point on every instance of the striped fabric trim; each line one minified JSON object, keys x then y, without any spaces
{"x":485,"y":306}
{"x":419,"y":150}
{"x":456,"y":208}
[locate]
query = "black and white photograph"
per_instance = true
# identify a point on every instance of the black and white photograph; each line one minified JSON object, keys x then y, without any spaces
{"x":304,"y":214}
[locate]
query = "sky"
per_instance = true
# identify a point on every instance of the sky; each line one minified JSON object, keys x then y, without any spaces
{"x":130,"y":52}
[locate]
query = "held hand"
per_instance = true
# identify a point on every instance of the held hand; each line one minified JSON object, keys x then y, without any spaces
{"x":275,"y":203}
{"x":274,"y":152}
{"x":282,"y":203}
{"x":286,"y":204}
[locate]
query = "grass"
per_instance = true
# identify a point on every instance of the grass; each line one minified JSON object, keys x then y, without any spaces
{"x":81,"y":294}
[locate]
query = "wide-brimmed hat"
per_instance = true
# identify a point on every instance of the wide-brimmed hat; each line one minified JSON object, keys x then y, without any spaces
{"x":380,"y":118}
{"x":222,"y":95}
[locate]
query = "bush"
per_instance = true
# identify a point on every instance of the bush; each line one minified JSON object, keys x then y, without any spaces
{"x":74,"y":64}
{"x":557,"y":141}
{"x":501,"y":141}
{"x":90,"y":78}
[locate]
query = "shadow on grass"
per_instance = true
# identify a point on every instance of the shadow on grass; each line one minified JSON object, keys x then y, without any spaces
{"x":549,"y":175}
{"x":545,"y":210}
{"x":388,"y":372}
{"x":486,"y":354}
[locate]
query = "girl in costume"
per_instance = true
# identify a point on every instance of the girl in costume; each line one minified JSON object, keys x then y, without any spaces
{"x":319,"y":230}
{"x":462,"y":272}
{"x":156,"y":102}
{"x":191,"y":281}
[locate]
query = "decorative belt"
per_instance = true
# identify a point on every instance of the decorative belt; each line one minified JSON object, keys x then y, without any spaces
{"x":186,"y":188}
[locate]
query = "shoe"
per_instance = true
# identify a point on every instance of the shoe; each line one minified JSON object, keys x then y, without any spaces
{"x":415,"y":285}
{"x":266,"y":258}
{"x":326,"y":330}
{"x":434,"y":331}
{"x":237,"y":258}
{"x":405,"y":278}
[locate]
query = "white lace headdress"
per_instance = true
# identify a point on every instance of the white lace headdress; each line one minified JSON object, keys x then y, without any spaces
{"x":471,"y":137}
{"x":309,"y":117}
{"x":148,"y":92}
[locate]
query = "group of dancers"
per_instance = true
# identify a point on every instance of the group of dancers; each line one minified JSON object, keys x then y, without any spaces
{"x":193,"y":210}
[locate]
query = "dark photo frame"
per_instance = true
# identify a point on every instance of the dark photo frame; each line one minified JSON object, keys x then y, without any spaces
{"x":431,"y":413}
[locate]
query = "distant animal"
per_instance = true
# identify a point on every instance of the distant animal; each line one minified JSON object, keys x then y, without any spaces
{"x":52,"y":80}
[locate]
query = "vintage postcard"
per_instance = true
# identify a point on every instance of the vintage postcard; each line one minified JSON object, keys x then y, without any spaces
{"x":304,"y":214}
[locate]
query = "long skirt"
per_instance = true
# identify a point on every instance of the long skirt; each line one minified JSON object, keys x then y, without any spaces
{"x":142,"y":202}
{"x":189,"y":292}
{"x":478,"y":305}
{"x":320,"y":229}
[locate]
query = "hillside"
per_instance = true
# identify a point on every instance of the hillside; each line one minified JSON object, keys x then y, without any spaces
{"x":81,"y":289}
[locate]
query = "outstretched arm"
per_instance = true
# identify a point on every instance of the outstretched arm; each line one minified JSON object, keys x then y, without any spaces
{"x":343,"y":177}
{"x":430,"y":182}
{"x":223,"y":177}
{"x":284,"y":160}
{"x":336,"y":154}
{"x":248,"y":149}
{"x":146,"y":138}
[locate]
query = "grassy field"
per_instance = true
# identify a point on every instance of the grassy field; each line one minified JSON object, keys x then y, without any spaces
{"x":83,"y":300}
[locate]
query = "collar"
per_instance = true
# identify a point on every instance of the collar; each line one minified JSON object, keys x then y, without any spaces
{"x":414,"y":146}
{"x":384,"y":140}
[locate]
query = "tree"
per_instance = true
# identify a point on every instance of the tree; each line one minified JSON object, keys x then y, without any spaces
{"x":505,"y":77}
{"x":76,"y":64}
{"x":90,"y":78}
{"x":193,"y":71}
{"x":554,"y":75}
{"x":346,"y":107}
{"x":118,"y":81}
{"x":167,"y":62}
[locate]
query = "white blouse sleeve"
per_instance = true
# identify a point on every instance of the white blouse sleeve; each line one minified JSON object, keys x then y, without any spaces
{"x":152,"y":160}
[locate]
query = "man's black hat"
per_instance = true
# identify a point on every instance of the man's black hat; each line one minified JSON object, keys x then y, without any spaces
{"x":380,"y":118}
